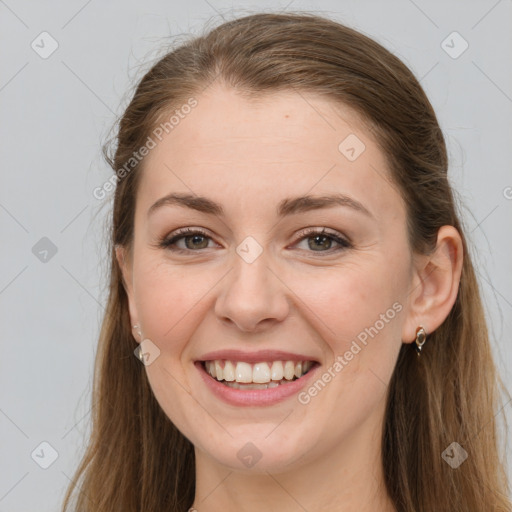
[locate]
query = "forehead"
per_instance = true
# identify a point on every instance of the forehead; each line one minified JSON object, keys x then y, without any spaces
{"x":254,"y":152}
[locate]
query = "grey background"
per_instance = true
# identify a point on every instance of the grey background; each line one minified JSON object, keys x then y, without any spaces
{"x":56,"y":112}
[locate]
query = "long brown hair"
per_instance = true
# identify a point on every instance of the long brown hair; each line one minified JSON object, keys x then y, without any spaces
{"x":136,"y":458}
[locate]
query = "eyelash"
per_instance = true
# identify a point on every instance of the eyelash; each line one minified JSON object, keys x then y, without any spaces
{"x":166,"y":243}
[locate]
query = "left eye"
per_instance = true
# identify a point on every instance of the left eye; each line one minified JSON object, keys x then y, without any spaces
{"x":321,"y":237}
{"x":196,"y":239}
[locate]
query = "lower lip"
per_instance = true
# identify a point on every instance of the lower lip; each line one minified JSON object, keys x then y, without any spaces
{"x":250,"y":397}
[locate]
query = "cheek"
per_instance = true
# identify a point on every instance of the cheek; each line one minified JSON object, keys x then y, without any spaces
{"x":355,"y":302}
{"x":168,"y":299}
{"x":356,"y":310}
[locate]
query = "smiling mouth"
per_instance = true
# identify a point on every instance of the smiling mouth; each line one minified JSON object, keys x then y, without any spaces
{"x":263,"y":375}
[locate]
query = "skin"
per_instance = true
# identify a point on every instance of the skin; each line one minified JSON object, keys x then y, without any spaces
{"x":298,"y":296}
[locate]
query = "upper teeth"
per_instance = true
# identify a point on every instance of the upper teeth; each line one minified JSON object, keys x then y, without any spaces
{"x":259,"y":372}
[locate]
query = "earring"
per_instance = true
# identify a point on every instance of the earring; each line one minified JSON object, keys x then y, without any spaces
{"x":139,"y":348}
{"x":421,"y":337}
{"x":140,"y":354}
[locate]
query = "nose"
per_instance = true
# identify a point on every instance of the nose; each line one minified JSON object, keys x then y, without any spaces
{"x":252,"y":296}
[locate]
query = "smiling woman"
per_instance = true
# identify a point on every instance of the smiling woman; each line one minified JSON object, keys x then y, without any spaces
{"x":297,"y":288}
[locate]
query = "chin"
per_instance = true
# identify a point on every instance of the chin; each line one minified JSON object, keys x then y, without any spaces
{"x":255,"y":452}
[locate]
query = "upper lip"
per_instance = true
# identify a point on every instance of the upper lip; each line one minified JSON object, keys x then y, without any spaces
{"x":256,"y":356}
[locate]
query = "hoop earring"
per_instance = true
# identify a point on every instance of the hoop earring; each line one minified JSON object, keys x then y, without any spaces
{"x":421,"y":338}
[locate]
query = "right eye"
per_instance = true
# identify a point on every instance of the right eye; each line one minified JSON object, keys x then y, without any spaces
{"x":191,"y":235}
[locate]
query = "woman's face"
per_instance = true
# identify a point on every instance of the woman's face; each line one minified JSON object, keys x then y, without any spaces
{"x":255,"y":289}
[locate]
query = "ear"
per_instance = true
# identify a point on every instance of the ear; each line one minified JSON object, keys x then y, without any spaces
{"x":435,"y":284}
{"x":125,"y":263}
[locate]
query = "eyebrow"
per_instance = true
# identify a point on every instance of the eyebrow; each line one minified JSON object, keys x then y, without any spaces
{"x":286,"y":207}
